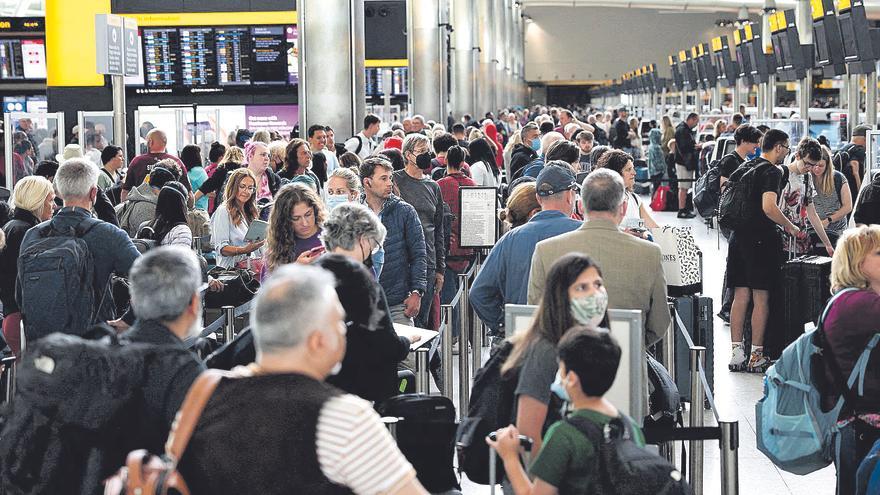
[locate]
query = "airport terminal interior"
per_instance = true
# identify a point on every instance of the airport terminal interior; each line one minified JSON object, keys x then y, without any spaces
{"x":440,"y":246}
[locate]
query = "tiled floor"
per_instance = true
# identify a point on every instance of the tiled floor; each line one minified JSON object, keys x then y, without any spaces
{"x":735,"y":396}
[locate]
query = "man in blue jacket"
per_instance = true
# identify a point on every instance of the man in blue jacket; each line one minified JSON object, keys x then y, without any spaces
{"x":503,"y":278}
{"x":404,"y":274}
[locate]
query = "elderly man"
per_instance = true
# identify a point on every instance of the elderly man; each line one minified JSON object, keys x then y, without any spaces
{"x":305,"y":436}
{"x":165,"y":285}
{"x":630,"y":266}
{"x":417,"y":189}
{"x":141,"y":165}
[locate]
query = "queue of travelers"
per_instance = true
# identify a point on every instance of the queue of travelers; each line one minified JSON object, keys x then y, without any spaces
{"x":350,"y":241}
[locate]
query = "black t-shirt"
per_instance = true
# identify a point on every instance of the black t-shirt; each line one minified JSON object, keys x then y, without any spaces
{"x":856,"y":153}
{"x":767,"y":180}
{"x":728,"y":163}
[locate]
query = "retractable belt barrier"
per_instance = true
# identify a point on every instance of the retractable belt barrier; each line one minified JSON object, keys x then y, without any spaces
{"x":226,"y":322}
{"x":727,"y":432}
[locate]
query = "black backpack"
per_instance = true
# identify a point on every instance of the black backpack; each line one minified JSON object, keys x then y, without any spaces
{"x":842,"y":157}
{"x":58,"y":272}
{"x":707,"y":191}
{"x":739,"y":206}
{"x":76,"y":406}
{"x":490,"y":408}
{"x":624,"y":468}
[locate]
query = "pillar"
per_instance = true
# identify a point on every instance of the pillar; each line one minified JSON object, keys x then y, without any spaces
{"x":427,"y":52}
{"x":464,"y":68}
{"x":510,"y":82}
{"x":486,"y":42}
{"x":805,"y":32}
{"x":332,"y":57}
{"x":501,"y":56}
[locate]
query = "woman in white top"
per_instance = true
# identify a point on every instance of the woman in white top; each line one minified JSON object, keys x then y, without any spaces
{"x":622,"y":163}
{"x":230,"y":222}
{"x":482,"y":162}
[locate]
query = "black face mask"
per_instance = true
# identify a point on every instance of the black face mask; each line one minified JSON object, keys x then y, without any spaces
{"x":423,"y":161}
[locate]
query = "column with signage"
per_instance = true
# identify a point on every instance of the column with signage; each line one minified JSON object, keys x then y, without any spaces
{"x":117,"y":55}
{"x":331,"y":52}
{"x":464,"y":69}
{"x":486,"y":43}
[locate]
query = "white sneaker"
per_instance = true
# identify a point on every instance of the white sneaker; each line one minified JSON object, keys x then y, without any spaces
{"x":758,"y":362}
{"x":737,"y":358}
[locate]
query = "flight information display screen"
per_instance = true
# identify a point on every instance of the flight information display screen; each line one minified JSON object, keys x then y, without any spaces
{"x":216,"y":58}
{"x":22,"y":59}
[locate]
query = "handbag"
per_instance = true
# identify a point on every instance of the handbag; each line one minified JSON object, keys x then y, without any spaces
{"x":144,"y":473}
{"x":658,"y":202}
{"x":682,"y":260}
{"x":239,"y":286}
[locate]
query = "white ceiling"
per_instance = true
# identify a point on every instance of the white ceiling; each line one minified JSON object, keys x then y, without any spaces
{"x":754,"y":6}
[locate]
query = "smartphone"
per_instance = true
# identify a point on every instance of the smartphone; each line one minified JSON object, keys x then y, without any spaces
{"x":257,"y":231}
{"x":316,"y":251}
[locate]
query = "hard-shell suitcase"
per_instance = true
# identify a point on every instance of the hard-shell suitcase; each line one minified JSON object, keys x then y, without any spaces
{"x":698,"y":318}
{"x":425,"y":434}
{"x":805,"y":287}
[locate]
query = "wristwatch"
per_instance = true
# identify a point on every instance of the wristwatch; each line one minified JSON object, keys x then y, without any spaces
{"x":416,"y":291}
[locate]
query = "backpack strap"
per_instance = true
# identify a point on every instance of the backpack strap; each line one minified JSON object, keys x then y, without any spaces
{"x":617,"y":427}
{"x":190,"y":411}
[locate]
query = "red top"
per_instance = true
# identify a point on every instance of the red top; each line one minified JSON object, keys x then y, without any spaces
{"x":140,"y":167}
{"x":449,"y":186}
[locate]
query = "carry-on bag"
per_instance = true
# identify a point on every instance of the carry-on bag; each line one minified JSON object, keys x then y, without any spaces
{"x":682,"y":260}
{"x":696,"y":313}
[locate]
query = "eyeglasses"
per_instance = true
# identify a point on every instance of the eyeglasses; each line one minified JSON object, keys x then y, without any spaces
{"x":810,"y":164}
{"x":245,"y":187}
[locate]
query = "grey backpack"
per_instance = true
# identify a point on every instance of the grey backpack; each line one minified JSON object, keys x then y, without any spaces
{"x":56,"y":277}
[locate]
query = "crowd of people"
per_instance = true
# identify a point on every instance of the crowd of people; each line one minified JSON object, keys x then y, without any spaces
{"x":363,"y":234}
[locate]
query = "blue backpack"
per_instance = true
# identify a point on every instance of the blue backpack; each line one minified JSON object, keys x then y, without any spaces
{"x":868,"y":477}
{"x":792,"y":430}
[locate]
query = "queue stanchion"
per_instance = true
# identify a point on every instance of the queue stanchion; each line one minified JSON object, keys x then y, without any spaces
{"x":446,"y":349}
{"x":666,"y":357}
{"x":465,"y":335}
{"x":229,"y":327}
{"x":423,"y":375}
{"x":729,"y":457}
{"x":9,"y":364}
{"x":695,"y":456}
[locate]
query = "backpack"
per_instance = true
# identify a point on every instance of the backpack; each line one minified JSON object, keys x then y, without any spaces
{"x":124,"y":212}
{"x":76,"y":403}
{"x":707,"y":191}
{"x":664,"y":402}
{"x":57,"y":271}
{"x":490,"y":408}
{"x":792,"y":429}
{"x":868,"y":475}
{"x":842,"y":158}
{"x":738,"y":206}
{"x":624,"y":468}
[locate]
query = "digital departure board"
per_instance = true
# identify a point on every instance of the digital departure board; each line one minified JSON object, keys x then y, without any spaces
{"x":216,"y":58}
{"x":22,"y":59}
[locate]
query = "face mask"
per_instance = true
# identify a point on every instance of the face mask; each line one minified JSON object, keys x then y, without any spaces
{"x":590,"y":310}
{"x":559,"y":389}
{"x":334,"y":200}
{"x":423,"y":161}
{"x":536,"y":144}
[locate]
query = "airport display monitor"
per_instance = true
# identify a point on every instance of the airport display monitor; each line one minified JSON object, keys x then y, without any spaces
{"x":727,"y":70}
{"x":217,"y":58}
{"x":675,"y":68}
{"x":375,"y":82}
{"x":859,"y":41}
{"x":827,"y":38}
{"x":743,"y":59}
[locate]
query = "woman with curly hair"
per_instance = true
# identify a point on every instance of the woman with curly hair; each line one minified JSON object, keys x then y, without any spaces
{"x":230,"y":222}
{"x":294,"y":227}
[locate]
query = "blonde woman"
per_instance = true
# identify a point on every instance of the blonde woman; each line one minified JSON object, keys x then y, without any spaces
{"x":230,"y":222}
{"x":521,"y":206}
{"x":668,"y":134}
{"x":833,"y":200}
{"x":850,"y":323}
{"x":33,"y":201}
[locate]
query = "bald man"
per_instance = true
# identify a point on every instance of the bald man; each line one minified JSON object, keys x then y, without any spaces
{"x":140,"y":166}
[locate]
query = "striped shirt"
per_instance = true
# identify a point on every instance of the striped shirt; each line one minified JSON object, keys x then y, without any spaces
{"x":355,"y":450}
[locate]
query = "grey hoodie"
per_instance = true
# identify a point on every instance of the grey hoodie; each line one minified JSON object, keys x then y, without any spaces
{"x":140,"y":207}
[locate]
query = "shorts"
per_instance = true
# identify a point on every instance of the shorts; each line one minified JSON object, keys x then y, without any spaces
{"x":684,"y":174}
{"x":754,"y":259}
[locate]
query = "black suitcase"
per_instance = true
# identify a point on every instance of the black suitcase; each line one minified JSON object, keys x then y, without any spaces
{"x":805,"y":287}
{"x":698,"y":318}
{"x":425,"y":434}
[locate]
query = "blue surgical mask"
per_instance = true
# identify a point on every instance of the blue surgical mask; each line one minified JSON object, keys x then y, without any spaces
{"x":536,"y":144}
{"x":334,"y":200}
{"x":590,"y":310}
{"x":559,"y":389}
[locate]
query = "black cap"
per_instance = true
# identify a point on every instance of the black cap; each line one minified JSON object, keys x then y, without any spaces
{"x":555,"y":179}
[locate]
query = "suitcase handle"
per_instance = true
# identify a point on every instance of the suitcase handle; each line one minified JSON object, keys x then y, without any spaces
{"x":524,"y":441}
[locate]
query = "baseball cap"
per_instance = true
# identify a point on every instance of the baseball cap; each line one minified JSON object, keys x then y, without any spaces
{"x":555,"y":179}
{"x":861,"y":130}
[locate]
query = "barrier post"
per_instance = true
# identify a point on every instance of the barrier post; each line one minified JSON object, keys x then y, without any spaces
{"x":465,"y":335}
{"x":229,"y":327}
{"x":423,"y":375}
{"x":729,"y":457}
{"x":10,"y":365}
{"x":446,"y":349}
{"x":695,"y":458}
{"x":666,"y":357}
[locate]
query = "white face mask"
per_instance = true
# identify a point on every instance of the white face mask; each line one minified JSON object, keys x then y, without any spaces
{"x":334,"y":200}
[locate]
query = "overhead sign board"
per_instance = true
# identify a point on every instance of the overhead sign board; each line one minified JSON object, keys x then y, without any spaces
{"x":116,"y":45}
{"x":131,"y":46}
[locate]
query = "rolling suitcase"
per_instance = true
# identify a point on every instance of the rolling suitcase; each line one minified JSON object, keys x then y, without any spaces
{"x":698,"y":318}
{"x":524,"y":442}
{"x":425,"y":434}
{"x":804,"y":291}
